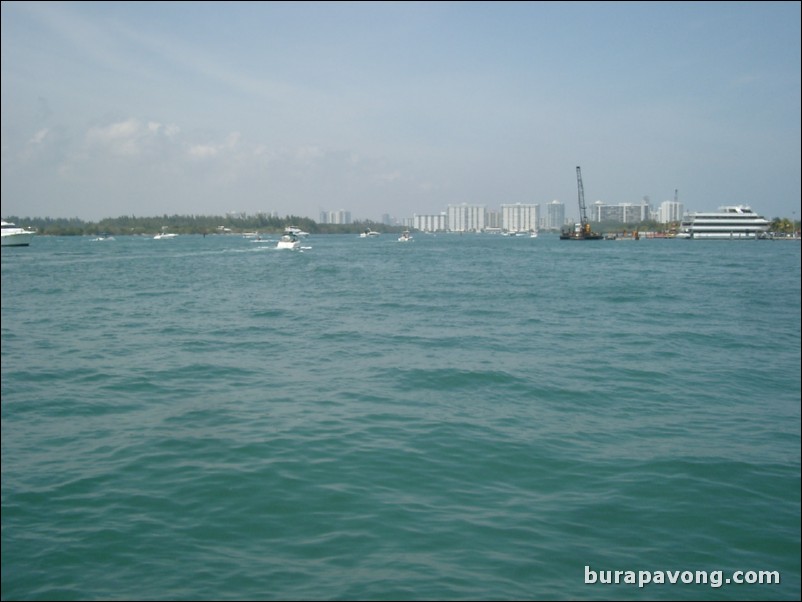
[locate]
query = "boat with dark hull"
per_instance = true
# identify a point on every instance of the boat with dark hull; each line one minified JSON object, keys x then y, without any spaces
{"x":582,"y":230}
{"x":580,"y":233}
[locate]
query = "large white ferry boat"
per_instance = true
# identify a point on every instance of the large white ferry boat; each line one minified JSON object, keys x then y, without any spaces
{"x":729,"y":222}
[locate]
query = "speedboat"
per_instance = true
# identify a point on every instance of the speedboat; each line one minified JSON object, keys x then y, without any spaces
{"x":289,"y":241}
{"x":14,"y":236}
{"x":405,"y":236}
{"x":369,"y":234}
{"x":165,"y":235}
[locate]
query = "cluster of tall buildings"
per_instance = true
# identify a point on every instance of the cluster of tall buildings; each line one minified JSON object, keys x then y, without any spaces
{"x":341,"y":216}
{"x":522,"y":217}
{"x":514,"y":217}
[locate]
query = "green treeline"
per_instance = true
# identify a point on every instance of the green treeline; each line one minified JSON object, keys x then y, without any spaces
{"x":783,"y":225}
{"x":189,"y":224}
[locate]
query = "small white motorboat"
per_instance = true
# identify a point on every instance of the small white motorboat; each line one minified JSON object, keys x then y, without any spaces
{"x":289,"y":241}
{"x":164,"y":234}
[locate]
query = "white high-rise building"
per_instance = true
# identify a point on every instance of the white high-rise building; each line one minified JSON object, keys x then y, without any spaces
{"x":671,"y":211}
{"x":430,"y":223}
{"x":466,"y":218}
{"x":555,"y":215}
{"x":335,"y":217}
{"x":492,"y":220}
{"x":625,"y":213}
{"x":520,"y":218}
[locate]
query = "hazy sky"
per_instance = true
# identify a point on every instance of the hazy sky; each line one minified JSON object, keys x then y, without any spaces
{"x":117,"y":108}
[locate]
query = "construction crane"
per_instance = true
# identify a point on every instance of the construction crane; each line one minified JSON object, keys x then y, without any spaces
{"x":583,"y":215}
{"x":582,"y":231}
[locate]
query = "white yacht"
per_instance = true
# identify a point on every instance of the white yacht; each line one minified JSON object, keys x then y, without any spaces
{"x":729,"y":222}
{"x":14,"y":236}
{"x":405,"y":236}
{"x":369,"y":234}
{"x":296,"y":231}
{"x":289,"y":241}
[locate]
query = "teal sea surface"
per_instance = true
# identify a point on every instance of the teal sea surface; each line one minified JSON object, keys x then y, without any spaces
{"x":459,"y":417}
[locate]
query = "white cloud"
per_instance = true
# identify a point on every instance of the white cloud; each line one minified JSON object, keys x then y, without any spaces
{"x":203,"y":151}
{"x":388,"y":177}
{"x":309,"y":153}
{"x":211,"y":149}
{"x":170,"y":130}
{"x":39,"y":136}
{"x":121,"y":138}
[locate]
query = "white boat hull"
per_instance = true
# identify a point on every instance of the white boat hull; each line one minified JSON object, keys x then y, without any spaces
{"x":13,"y":236}
{"x":721,"y":235}
{"x":18,"y":240}
{"x":289,"y":242}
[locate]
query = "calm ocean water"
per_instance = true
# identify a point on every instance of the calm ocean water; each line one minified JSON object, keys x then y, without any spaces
{"x":463,"y":417}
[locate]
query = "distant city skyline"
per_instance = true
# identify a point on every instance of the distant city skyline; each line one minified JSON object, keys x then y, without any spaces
{"x":520,"y":217}
{"x":116,"y":108}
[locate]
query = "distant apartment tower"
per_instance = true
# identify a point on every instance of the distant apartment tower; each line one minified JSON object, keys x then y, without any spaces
{"x":624,"y":213}
{"x":555,"y":215}
{"x":335,"y":217}
{"x":670,"y":211}
{"x":466,"y":218}
{"x":492,"y":220}
{"x":430,"y":223}
{"x":520,"y":217}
